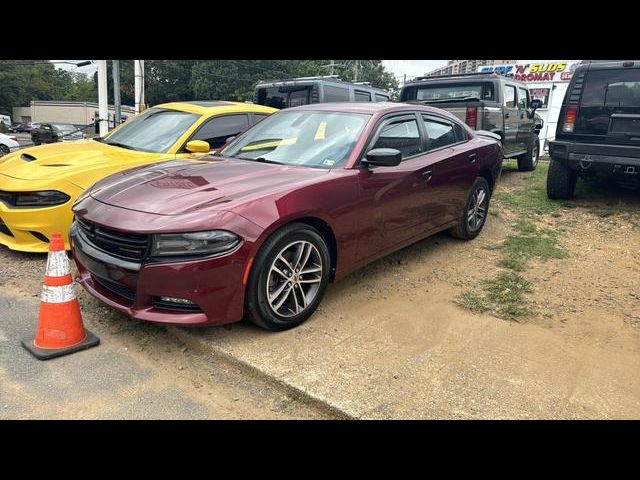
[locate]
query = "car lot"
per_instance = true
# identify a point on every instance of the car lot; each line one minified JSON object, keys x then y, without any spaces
{"x":497,"y":333}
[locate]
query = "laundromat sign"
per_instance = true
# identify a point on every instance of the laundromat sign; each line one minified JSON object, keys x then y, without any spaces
{"x":534,"y":72}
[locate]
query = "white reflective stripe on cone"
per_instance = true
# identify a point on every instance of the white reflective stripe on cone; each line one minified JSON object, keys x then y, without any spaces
{"x":61,"y":294}
{"x":57,"y":264}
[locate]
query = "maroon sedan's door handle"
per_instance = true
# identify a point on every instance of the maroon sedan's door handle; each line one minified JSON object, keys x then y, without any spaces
{"x":473,"y":157}
{"x":427,"y":175}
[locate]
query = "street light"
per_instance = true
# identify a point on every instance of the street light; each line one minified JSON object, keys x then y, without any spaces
{"x":77,"y":64}
{"x":84,"y":63}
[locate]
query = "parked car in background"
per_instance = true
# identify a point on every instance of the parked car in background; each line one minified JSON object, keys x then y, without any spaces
{"x":306,"y":90}
{"x":56,"y":132}
{"x":301,"y":199}
{"x":598,"y":132}
{"x":38,"y":185}
{"x":486,"y":102}
{"x":22,"y":127}
{"x":8,"y":144}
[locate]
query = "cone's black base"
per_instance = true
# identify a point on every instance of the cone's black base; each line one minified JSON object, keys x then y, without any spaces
{"x":47,"y":353}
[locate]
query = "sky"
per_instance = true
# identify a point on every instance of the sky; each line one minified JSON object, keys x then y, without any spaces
{"x":411,"y":68}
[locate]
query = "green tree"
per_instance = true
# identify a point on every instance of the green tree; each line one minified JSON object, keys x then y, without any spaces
{"x":172,"y":80}
{"x":22,"y":81}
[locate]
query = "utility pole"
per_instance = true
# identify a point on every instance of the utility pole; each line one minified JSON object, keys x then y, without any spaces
{"x":103,"y":103}
{"x":332,"y":66}
{"x":139,"y":84}
{"x":404,"y":79}
{"x":115,"y":66}
{"x":355,"y":71}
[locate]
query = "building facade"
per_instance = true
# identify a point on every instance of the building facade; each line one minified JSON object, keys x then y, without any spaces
{"x":465,"y":66}
{"x":75,"y":113}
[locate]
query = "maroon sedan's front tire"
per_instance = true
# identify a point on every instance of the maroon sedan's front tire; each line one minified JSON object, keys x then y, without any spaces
{"x":475,"y":211}
{"x":288,"y":278}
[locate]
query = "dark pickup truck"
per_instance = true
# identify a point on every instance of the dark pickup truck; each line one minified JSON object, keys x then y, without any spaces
{"x":488,"y":102}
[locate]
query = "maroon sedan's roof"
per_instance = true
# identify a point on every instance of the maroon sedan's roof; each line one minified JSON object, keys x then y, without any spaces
{"x":365,"y":107}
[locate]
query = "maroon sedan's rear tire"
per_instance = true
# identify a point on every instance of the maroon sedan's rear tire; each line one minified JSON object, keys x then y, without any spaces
{"x":288,"y":278}
{"x":475,"y":211}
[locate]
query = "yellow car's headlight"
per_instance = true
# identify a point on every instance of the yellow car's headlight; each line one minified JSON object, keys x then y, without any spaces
{"x":46,"y":198}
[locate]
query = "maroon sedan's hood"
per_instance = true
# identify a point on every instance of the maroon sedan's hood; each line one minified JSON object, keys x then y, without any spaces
{"x":178,"y":187}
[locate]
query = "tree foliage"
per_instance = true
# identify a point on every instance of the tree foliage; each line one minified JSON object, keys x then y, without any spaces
{"x":22,"y":81}
{"x":173,"y":80}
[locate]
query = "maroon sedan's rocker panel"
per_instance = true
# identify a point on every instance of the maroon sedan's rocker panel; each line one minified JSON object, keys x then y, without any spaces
{"x":361,"y":213}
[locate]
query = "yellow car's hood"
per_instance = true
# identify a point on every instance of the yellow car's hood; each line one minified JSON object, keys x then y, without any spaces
{"x":82,"y":162}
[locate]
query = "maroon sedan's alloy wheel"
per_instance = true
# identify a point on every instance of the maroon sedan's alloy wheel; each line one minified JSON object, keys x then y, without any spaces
{"x":475,"y":211}
{"x":288,"y":278}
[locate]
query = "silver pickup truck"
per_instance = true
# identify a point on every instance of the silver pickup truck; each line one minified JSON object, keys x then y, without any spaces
{"x":488,"y":102}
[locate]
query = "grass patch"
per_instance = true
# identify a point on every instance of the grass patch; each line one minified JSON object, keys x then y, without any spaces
{"x":531,"y":200}
{"x":503,"y":296}
{"x":474,"y":302}
{"x":529,"y":242}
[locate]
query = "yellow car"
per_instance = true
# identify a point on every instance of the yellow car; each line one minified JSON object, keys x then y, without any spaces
{"x":39,"y":185}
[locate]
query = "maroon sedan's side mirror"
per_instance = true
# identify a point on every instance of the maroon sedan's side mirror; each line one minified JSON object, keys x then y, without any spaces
{"x":383,"y":157}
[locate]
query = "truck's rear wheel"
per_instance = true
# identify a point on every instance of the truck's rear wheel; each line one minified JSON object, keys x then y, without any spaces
{"x":529,"y":161}
{"x":561,"y":181}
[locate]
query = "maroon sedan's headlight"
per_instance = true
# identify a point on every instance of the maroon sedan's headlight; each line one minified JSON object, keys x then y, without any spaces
{"x":196,"y":243}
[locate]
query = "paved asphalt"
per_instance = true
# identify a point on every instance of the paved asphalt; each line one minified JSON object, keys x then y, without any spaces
{"x":96,"y":383}
{"x":122,"y":377}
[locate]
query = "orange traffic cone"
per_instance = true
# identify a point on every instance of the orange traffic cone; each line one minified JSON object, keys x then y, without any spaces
{"x":60,"y":330}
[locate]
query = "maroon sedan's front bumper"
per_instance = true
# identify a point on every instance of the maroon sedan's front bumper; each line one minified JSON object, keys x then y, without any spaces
{"x":214,"y":285}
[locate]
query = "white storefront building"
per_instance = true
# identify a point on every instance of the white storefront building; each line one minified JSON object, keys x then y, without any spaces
{"x":548,"y":81}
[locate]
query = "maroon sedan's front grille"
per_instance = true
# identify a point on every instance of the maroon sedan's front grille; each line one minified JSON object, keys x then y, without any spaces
{"x":117,"y":288}
{"x":130,"y":246}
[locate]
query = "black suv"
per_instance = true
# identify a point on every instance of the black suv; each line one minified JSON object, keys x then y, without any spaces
{"x":598,"y":129}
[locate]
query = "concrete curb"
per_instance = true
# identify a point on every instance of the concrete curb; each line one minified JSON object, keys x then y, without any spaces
{"x":220,"y":354}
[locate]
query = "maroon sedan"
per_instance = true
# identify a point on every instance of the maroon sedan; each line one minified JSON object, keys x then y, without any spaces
{"x":303,"y":198}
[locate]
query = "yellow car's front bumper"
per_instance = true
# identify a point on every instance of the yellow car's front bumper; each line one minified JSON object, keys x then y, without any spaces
{"x":26,"y":229}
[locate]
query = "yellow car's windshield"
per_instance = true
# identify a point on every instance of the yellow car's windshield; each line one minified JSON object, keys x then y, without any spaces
{"x":155,"y":130}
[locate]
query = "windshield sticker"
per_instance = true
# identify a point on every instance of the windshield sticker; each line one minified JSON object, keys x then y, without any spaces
{"x":329,"y":163}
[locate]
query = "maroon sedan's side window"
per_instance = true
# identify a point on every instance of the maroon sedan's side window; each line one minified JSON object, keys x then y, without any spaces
{"x":439,"y":133}
{"x":401,"y":134}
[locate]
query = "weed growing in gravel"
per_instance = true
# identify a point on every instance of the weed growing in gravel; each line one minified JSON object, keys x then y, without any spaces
{"x":529,"y":242}
{"x":506,"y":293}
{"x":503,"y":296}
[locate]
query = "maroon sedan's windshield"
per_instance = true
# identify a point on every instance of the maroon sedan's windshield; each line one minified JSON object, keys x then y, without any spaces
{"x":311,"y":139}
